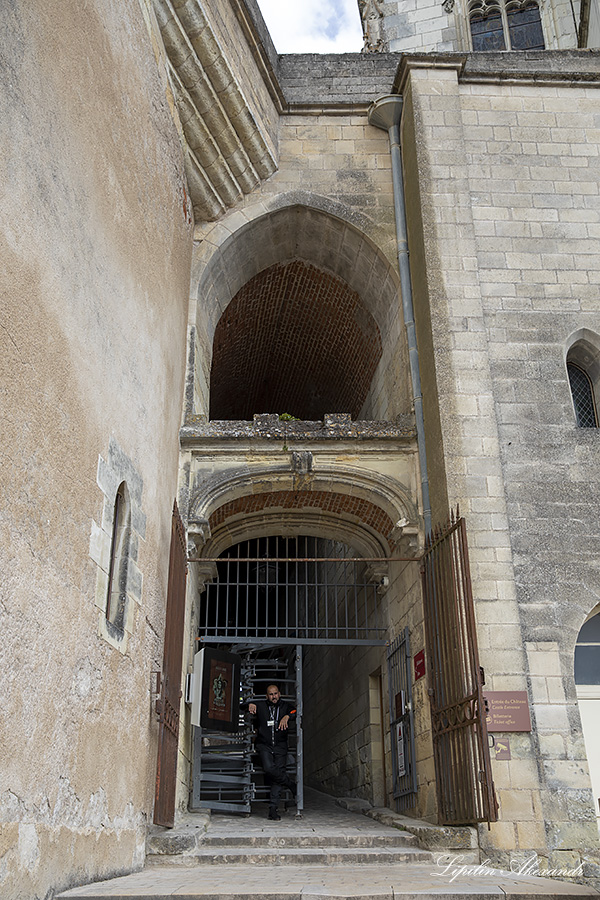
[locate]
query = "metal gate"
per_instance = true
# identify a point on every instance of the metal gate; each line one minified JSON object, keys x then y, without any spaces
{"x":277,"y":591}
{"x":460,"y":742}
{"x":401,"y":722}
{"x":277,"y":594}
{"x":167,"y":704}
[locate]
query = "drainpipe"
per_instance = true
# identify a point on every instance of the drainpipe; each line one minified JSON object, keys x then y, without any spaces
{"x":385,"y":114}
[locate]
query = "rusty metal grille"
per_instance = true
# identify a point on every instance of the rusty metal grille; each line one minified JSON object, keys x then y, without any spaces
{"x":168,"y":704}
{"x":302,"y":590}
{"x":462,"y":761}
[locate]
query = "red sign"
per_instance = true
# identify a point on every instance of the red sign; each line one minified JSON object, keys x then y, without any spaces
{"x":507,"y":711}
{"x":419,"y":663}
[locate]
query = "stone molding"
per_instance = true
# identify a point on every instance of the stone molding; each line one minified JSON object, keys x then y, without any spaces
{"x":270,"y":427}
{"x":227,"y":152}
{"x":373,"y":470}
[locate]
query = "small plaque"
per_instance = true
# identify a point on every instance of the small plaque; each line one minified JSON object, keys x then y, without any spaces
{"x":400,"y":705}
{"x":508,"y":711}
{"x":419,"y":663}
{"x":400,"y":749}
{"x":502,"y":748}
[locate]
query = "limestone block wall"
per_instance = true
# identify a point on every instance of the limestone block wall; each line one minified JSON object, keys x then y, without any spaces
{"x":423,"y":26}
{"x":504,"y":227}
{"x":537,"y":229}
{"x":412,"y":26}
{"x":338,"y":749}
{"x":96,"y":251}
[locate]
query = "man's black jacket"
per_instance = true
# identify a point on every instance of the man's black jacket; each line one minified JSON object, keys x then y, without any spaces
{"x":267,"y":712}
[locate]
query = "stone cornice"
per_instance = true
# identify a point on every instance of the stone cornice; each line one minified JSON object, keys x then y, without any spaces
{"x":568,"y":67}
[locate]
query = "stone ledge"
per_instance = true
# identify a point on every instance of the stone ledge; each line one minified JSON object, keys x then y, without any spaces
{"x":446,"y":838}
{"x":271,"y":426}
{"x":183,"y":840}
{"x":537,"y":66}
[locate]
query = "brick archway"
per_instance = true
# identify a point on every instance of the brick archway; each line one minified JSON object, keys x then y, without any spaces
{"x":344,"y":506}
{"x":295,"y":339}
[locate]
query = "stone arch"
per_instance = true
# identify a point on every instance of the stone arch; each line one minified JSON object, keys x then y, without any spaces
{"x":371,"y":512}
{"x":296,"y":227}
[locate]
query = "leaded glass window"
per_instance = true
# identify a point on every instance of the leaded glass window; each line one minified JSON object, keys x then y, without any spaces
{"x":583,"y":397}
{"x":525,"y":27}
{"x":505,"y":25}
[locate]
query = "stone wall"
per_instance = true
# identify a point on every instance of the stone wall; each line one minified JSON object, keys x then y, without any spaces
{"x":431,"y":27}
{"x":96,"y":243}
{"x":504,"y":225}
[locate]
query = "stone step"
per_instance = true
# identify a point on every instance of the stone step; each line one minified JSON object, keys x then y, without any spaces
{"x":346,"y":882}
{"x":298,"y":856}
{"x":176,"y":842}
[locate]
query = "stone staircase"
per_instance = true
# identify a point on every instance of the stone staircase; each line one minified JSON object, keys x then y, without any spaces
{"x":196,"y":848}
{"x":331,"y":853}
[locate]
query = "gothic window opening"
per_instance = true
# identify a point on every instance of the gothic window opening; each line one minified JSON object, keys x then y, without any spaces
{"x":583,"y":397}
{"x":505,"y":25}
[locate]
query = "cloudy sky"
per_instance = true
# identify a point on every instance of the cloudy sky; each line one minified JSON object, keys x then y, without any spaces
{"x":313,"y":26}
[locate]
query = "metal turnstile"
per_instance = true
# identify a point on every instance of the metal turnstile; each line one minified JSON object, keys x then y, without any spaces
{"x":226,"y":773}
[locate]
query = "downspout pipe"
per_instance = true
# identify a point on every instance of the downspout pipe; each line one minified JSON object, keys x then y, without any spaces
{"x":385,"y":113}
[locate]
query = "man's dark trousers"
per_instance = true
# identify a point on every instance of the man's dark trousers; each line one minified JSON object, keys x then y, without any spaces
{"x":273,"y":760}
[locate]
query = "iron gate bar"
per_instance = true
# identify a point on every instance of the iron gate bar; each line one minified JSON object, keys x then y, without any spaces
{"x":291,"y":642}
{"x":254,"y":597}
{"x":305,"y":559}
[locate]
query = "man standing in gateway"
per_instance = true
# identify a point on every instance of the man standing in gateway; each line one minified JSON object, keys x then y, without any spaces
{"x":273,"y":716}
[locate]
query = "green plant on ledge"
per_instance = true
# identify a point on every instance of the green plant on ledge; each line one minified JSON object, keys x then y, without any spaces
{"x":287,"y":417}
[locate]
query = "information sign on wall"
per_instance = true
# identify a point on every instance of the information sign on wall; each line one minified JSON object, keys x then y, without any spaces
{"x":216,"y":690}
{"x":507,"y":711}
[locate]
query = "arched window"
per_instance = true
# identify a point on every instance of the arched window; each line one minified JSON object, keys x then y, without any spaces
{"x":583,"y":397}
{"x":116,"y":598}
{"x":587,"y":652}
{"x":505,"y":25}
{"x":583,"y":370}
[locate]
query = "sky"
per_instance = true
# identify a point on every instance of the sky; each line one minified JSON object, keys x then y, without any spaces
{"x":313,"y":26}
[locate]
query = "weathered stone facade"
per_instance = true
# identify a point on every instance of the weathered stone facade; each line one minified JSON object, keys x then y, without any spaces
{"x":185,"y":173}
{"x":96,"y":240}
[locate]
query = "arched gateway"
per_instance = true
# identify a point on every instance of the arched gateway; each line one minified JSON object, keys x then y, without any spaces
{"x":300,"y":496}
{"x":299,"y":444}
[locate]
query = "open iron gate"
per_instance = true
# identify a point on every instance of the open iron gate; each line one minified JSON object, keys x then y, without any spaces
{"x":168,"y":703}
{"x":460,"y":742}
